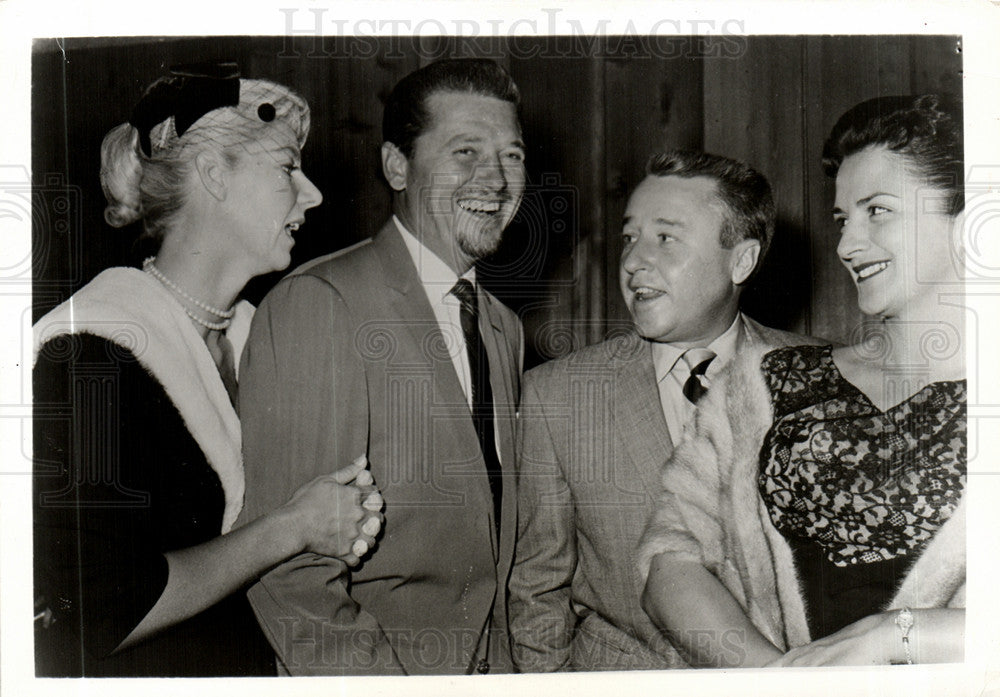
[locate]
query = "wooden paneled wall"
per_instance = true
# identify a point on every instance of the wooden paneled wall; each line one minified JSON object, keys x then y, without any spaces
{"x":593,"y":110}
{"x":773,"y":107}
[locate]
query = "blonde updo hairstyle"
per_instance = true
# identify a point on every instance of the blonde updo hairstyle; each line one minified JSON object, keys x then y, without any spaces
{"x":151,"y":187}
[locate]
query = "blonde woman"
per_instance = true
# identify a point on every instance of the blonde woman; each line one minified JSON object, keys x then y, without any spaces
{"x":138,"y":570}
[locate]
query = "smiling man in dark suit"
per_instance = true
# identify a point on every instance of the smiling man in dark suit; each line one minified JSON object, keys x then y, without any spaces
{"x":390,"y":349}
{"x":596,"y":426}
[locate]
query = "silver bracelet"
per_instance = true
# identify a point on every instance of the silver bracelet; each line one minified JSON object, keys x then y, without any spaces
{"x":904,"y":620}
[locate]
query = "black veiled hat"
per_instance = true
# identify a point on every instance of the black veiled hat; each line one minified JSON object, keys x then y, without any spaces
{"x":187,"y":94}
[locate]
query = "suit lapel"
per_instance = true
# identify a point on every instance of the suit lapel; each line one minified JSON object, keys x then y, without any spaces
{"x":503,"y":374}
{"x":414,"y":312}
{"x":411,"y":305}
{"x":639,"y":417}
{"x":503,"y":371}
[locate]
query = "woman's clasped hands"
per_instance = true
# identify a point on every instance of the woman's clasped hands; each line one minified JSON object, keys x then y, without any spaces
{"x":338,"y":514}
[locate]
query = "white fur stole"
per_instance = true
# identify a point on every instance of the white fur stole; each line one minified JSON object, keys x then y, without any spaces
{"x":133,"y":310}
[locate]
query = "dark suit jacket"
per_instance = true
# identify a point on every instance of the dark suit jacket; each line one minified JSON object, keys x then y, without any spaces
{"x":345,"y":357}
{"x":592,"y":440}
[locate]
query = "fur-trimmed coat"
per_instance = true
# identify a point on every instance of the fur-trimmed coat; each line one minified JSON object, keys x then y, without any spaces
{"x":710,"y":511}
{"x":133,"y":310}
{"x":137,"y":454}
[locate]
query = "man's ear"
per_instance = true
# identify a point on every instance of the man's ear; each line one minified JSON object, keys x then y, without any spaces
{"x":394,"y":166}
{"x":213,"y":174}
{"x":745,"y":255}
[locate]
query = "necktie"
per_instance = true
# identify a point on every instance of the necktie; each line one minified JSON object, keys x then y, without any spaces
{"x":482,"y":393}
{"x":697,"y":361}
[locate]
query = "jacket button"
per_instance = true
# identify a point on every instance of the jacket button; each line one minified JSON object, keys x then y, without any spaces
{"x":483,"y":666}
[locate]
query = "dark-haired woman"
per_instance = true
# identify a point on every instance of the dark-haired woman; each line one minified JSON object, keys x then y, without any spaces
{"x":139,"y":479}
{"x":816,"y":516}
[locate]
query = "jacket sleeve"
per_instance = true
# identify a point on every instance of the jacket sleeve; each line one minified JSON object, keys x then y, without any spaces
{"x":542,"y":620}
{"x":304,"y":413}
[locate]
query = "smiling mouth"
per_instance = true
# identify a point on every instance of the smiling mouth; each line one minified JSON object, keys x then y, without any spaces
{"x":645,"y":293}
{"x":480,"y":206}
{"x":866,"y":271}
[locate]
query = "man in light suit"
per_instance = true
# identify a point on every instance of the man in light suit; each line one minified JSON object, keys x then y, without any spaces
{"x":369,"y":351}
{"x":597,"y":425}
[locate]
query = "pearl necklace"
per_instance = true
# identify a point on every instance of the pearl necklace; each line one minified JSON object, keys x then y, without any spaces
{"x":227,"y":315}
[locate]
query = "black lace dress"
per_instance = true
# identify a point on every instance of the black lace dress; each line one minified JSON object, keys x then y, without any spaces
{"x":855,"y":490}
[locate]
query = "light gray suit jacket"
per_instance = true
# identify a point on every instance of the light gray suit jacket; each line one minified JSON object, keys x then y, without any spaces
{"x":592,"y":441}
{"x":345,"y":357}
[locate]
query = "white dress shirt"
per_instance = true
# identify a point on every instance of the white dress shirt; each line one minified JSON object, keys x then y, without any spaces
{"x":437,"y":279}
{"x":672,"y":373}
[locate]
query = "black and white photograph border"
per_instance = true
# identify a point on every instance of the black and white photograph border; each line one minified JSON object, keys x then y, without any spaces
{"x":295,"y":25}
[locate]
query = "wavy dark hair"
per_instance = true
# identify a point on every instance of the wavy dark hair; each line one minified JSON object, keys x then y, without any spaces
{"x":406,"y":116}
{"x":925,"y":129}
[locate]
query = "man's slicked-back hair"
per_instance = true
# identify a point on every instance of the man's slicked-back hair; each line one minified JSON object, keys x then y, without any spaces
{"x":745,"y":193}
{"x":406,"y":115}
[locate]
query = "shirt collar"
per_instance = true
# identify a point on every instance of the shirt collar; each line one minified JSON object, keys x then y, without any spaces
{"x":665,"y":356}
{"x":436,"y":276}
{"x":724,"y":347}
